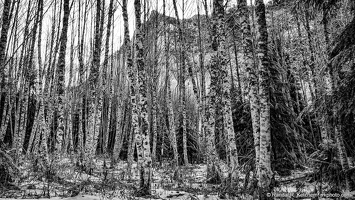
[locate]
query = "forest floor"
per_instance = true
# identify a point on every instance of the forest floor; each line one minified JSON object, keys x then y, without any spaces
{"x":114,"y":183}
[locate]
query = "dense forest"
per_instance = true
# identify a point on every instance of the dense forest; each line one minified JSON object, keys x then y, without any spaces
{"x":177,"y":99}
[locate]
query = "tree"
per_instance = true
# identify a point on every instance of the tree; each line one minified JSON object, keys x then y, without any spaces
{"x":82,"y":108}
{"x":213,"y":168}
{"x":132,"y":73}
{"x":154,"y":88}
{"x":107,"y":89}
{"x":182,"y":59}
{"x":265,"y":173}
{"x":94,"y":88}
{"x":143,"y":137}
{"x":220,"y":60}
{"x":252,"y":70}
{"x":38,"y":87}
{"x":60,"y":75}
{"x":223,"y":63}
{"x":202,"y":103}
{"x":171,"y":127}
{"x":3,"y":43}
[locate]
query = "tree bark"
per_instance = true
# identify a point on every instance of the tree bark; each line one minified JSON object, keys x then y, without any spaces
{"x":95,"y":99}
{"x":145,"y":168}
{"x":107,"y":91}
{"x":154,"y":89}
{"x":265,"y":173}
{"x":171,"y":128}
{"x":202,"y":104}
{"x":61,"y":75}
{"x":3,"y":43}
{"x":220,"y":60}
{"x":213,"y":161}
{"x":132,"y":73}
{"x":182,"y":85}
{"x":252,"y":70}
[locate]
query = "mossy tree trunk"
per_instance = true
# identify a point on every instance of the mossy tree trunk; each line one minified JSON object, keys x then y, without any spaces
{"x":265,"y":173}
{"x":143,"y":137}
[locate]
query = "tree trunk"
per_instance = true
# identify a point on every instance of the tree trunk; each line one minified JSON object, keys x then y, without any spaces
{"x":95,"y":99}
{"x":201,"y":109}
{"x":265,"y":173}
{"x":252,"y":70}
{"x":4,"y":91}
{"x":213,"y":162}
{"x":3,"y":44}
{"x":154,"y":89}
{"x":22,"y":106}
{"x":171,"y":128}
{"x":145,"y":168}
{"x":222,"y":61}
{"x":107,"y":90}
{"x":182,"y":85}
{"x":82,"y":103}
{"x":60,"y":75}
{"x":132,"y":73}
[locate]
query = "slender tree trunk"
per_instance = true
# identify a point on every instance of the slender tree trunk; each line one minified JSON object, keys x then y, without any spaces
{"x":330,"y":82}
{"x":30,"y":77}
{"x":7,"y":94}
{"x":182,"y":84}
{"x":48,"y":87}
{"x":95,"y":99}
{"x":154,"y":88}
{"x":60,"y":77}
{"x":72,"y":98}
{"x":213,"y":162}
{"x":34,"y":127}
{"x":116,"y":122}
{"x":312,"y":64}
{"x":37,"y":118}
{"x":252,"y":70}
{"x":342,"y":153}
{"x":132,"y":73}
{"x":104,"y":79}
{"x":240,"y":92}
{"x":23,"y":77}
{"x":5,"y":25}
{"x":3,"y":43}
{"x":81,"y":107}
{"x":265,"y":173}
{"x":202,"y":104}
{"x":171,"y":128}
{"x":145,"y":168}
{"x":220,"y":60}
